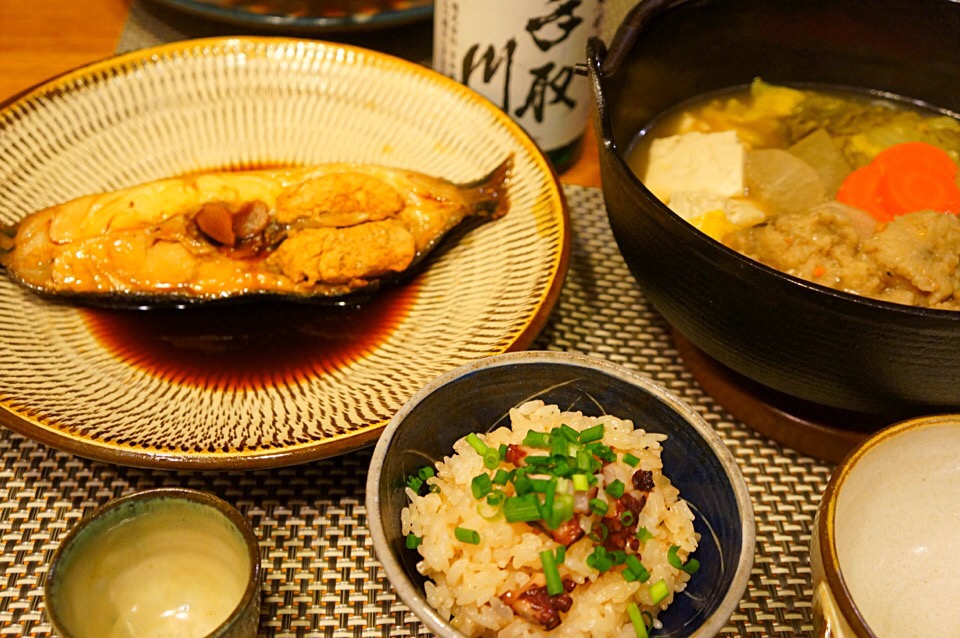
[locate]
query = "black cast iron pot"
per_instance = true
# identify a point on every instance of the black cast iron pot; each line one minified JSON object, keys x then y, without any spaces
{"x":807,"y":341}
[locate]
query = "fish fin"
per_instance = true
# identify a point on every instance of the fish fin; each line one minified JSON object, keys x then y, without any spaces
{"x":487,"y":196}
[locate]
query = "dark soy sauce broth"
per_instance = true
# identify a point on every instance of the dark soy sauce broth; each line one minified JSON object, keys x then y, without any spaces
{"x":249,"y":346}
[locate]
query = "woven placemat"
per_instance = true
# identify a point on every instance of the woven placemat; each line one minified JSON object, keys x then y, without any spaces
{"x":321,"y":577}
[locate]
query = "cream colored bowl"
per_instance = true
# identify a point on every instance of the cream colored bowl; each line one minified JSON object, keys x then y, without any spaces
{"x":165,"y":562}
{"x":886,"y":532}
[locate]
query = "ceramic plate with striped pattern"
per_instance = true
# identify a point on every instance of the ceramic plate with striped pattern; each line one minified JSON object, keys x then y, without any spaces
{"x":263,"y":385}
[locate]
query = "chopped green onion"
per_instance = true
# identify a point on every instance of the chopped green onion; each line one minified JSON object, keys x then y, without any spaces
{"x":615,"y":489}
{"x":481,"y":485}
{"x":434,"y":488}
{"x":604,"y":564}
{"x":479,"y":446}
{"x":488,"y":511}
{"x":585,"y":461}
{"x":600,"y":559}
{"x":626,"y":517}
{"x":636,"y":618}
{"x":690,"y":567}
{"x":602,"y":452}
{"x":426,"y":472}
{"x":557,"y":508}
{"x":496,"y":498}
{"x":491,"y":459}
{"x":598,"y":507}
{"x":642,"y":574}
{"x":629,"y":575}
{"x":569,"y":433}
{"x":636,"y":569}
{"x":539,"y":485}
{"x":517,"y":509}
{"x":598,"y":533}
{"x":618,"y":556}
{"x":644,"y":534}
{"x":538,"y":460}
{"x":592,"y":434}
{"x":559,"y":446}
{"x":630,"y":460}
{"x":563,"y":467}
{"x":547,"y":510}
{"x":523,"y":484}
{"x":580,"y":483}
{"x":561,"y":554}
{"x":561,"y":512}
{"x":502,"y":477}
{"x":503,"y":451}
{"x":592,"y":558}
{"x":537,"y":439}
{"x":465,"y":535}
{"x":414,"y":483}
{"x":552,"y":574}
{"x":413,"y":541}
{"x":659,"y":591}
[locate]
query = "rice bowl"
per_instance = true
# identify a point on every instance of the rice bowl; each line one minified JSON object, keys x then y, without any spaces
{"x":474,"y":400}
{"x":496,"y":585}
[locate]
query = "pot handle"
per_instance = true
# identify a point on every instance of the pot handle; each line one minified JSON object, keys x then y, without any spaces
{"x":602,"y":62}
{"x":595,"y":69}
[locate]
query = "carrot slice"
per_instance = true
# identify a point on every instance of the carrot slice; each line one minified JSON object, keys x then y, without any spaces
{"x":861,"y":189}
{"x":908,"y":191}
{"x":916,"y":156}
{"x":904,"y":178}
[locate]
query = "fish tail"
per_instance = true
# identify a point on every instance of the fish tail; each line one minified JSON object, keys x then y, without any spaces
{"x":487,"y":196}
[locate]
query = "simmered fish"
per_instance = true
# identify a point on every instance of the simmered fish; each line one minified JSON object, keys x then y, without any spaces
{"x":322,"y":232}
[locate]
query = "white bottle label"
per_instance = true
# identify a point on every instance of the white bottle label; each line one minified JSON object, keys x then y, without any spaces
{"x":520,"y":54}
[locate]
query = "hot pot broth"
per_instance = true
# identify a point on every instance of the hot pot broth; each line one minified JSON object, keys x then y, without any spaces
{"x":844,"y":189}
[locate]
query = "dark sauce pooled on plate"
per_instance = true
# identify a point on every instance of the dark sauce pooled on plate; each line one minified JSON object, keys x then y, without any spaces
{"x":249,"y":346}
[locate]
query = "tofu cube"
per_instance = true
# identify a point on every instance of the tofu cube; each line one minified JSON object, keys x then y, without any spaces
{"x":705,"y":162}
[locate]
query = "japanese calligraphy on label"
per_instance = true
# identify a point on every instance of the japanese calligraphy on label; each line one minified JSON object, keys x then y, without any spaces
{"x":520,"y":54}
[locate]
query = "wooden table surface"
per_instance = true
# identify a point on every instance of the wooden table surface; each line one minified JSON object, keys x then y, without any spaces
{"x":43,"y":38}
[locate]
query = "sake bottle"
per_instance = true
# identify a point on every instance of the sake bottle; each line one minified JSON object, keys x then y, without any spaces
{"x":521,"y":55}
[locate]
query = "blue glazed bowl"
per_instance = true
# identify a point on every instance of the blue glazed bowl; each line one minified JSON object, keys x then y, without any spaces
{"x":477,"y":398}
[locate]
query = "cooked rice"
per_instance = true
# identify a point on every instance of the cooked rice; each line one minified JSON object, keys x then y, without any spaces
{"x":468,"y":581}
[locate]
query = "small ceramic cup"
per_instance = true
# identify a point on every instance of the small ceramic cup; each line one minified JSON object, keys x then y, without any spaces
{"x":166,"y":562}
{"x":885,"y":535}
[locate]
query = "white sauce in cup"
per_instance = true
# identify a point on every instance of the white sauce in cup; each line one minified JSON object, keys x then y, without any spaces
{"x":176,"y":569}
